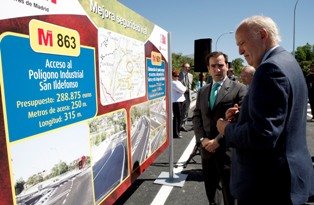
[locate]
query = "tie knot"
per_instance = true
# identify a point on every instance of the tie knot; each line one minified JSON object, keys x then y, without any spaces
{"x":215,"y":86}
{"x":213,"y":94}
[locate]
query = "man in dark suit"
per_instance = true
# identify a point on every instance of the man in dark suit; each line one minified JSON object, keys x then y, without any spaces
{"x":271,"y":163}
{"x":207,"y":111}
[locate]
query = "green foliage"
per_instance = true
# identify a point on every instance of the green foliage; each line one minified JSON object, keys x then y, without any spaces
{"x":305,"y":56}
{"x":63,"y":167}
{"x":19,"y":186}
{"x":237,"y":65}
{"x":35,"y":179}
{"x":59,"y":169}
{"x":177,"y":61}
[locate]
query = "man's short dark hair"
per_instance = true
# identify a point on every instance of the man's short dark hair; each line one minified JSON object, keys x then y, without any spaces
{"x":216,"y":54}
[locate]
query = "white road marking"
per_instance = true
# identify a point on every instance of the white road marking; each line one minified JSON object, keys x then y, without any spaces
{"x":165,"y":190}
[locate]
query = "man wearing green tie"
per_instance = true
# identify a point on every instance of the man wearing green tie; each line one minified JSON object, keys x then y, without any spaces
{"x":212,"y":102}
{"x":213,"y":94}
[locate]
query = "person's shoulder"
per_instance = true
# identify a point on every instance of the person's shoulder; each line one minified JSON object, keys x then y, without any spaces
{"x":230,"y":82}
{"x":236,"y":84}
{"x":176,"y":82}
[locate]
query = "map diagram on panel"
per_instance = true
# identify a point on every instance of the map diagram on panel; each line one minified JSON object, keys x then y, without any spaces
{"x":121,"y":67}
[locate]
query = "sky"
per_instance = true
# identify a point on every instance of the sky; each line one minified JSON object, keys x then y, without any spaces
{"x":188,"y":20}
{"x":43,"y":152}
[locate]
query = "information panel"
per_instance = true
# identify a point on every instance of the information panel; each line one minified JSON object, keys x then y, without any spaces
{"x":56,"y":90}
{"x":83,"y":107}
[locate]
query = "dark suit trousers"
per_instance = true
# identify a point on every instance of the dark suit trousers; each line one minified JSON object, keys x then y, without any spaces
{"x":186,"y":107}
{"x":274,"y":191}
{"x":177,"y":117}
{"x":214,"y":170}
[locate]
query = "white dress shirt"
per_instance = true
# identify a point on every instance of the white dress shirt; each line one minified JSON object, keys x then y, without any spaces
{"x":178,"y":90}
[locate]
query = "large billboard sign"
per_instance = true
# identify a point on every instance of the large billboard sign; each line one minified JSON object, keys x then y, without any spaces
{"x":83,"y":106}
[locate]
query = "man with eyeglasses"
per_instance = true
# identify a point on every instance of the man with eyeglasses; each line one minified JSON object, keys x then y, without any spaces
{"x":186,"y":79}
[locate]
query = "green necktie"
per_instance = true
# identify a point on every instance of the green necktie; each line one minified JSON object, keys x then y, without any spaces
{"x":213,"y":95}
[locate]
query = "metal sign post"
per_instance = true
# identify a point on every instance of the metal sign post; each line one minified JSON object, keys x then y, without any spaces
{"x":170,"y":178}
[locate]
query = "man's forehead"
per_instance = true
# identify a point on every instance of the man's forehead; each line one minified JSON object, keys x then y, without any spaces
{"x":217,"y":60}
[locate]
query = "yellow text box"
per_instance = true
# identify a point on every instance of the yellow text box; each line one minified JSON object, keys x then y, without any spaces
{"x":49,"y":38}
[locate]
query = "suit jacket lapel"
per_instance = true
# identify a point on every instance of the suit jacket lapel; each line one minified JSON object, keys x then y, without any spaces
{"x":207,"y":93}
{"x":223,"y":91}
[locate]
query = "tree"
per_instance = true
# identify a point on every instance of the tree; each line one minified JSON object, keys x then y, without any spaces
{"x":305,"y":57}
{"x":237,"y":65}
{"x":19,"y":186}
{"x":177,"y":61}
{"x":63,"y":167}
{"x":59,"y":169}
{"x":35,"y":179}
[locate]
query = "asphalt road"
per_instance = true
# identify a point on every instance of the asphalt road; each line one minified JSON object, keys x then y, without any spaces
{"x":109,"y":171}
{"x":143,"y":191}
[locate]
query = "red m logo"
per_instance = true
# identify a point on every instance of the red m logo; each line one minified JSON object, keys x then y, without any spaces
{"x":44,"y":38}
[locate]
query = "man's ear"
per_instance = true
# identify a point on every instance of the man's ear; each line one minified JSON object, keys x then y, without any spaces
{"x":264,"y":34}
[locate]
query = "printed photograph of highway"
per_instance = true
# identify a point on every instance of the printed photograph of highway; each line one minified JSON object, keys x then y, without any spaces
{"x":108,"y":138}
{"x":53,"y":168}
{"x":148,"y":130}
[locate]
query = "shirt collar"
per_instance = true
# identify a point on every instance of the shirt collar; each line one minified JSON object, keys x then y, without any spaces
{"x":220,"y":82}
{"x":268,"y":52}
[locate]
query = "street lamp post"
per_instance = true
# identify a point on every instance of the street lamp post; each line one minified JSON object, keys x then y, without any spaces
{"x":295,"y":7}
{"x":230,"y":32}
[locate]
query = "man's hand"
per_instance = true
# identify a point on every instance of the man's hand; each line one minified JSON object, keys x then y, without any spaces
{"x":232,"y":112}
{"x":210,"y":145}
{"x":221,"y":125}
